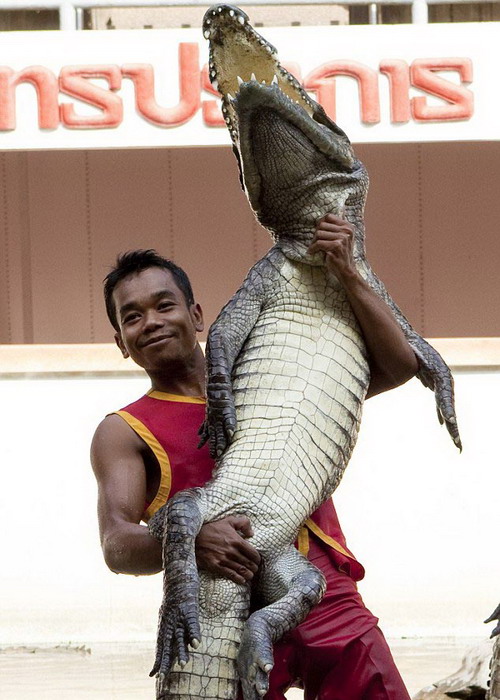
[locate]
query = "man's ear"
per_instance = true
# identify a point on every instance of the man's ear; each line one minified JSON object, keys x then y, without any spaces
{"x":197,"y":315}
{"x":119,"y":342}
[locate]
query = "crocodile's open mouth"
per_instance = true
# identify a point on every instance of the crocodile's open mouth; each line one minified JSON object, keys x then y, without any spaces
{"x":239,"y":55}
{"x":270,"y":116}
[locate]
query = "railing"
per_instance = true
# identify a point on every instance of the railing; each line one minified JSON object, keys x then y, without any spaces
{"x":71,"y":11}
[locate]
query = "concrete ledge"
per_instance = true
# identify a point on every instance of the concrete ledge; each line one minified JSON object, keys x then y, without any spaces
{"x":469,"y":352}
{"x":101,"y":358}
{"x":62,"y":359}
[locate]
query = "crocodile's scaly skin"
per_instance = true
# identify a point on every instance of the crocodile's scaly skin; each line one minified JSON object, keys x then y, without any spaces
{"x":494,"y":689}
{"x":294,"y":436}
{"x":494,"y":685}
{"x":287,"y":374}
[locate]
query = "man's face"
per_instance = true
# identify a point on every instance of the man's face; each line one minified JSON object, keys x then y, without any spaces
{"x":157,"y":327}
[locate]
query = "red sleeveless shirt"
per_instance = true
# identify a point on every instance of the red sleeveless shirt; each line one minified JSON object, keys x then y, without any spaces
{"x":169,"y":425}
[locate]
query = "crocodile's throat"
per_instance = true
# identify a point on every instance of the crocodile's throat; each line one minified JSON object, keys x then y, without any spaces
{"x":295,"y":173}
{"x":296,"y":164}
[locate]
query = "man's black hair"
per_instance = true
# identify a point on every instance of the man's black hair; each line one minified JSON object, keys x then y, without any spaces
{"x":135,"y":261}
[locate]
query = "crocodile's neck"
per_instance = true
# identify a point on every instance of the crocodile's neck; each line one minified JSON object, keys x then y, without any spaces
{"x":297,"y":251}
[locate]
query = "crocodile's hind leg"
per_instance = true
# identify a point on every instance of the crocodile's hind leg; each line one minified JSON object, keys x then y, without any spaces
{"x":295,"y":586}
{"x":178,"y":625}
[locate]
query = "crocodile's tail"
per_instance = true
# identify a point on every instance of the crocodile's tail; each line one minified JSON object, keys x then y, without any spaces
{"x":201,"y":616}
{"x":211,"y":671}
{"x":433,"y":371}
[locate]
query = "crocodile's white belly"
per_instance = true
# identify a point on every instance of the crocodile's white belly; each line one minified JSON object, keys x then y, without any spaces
{"x":299,"y":385}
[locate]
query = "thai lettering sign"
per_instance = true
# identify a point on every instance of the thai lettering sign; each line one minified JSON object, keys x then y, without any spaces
{"x":151,"y":88}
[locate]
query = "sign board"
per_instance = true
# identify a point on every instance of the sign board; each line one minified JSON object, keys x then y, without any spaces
{"x":149,"y":88}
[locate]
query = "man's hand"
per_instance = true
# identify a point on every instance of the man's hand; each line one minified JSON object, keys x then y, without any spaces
{"x":391,"y":359}
{"x":334,"y":237}
{"x":222,"y":549}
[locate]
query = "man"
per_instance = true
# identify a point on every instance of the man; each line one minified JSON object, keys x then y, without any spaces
{"x":145,"y":453}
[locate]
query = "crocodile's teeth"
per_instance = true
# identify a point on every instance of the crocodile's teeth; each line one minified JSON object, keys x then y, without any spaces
{"x":252,"y":77}
{"x":231,"y":97}
{"x":263,"y":82}
{"x":241,"y":19}
{"x":274,"y":81}
{"x":240,"y":80}
{"x":231,"y":13}
{"x":206,"y":33}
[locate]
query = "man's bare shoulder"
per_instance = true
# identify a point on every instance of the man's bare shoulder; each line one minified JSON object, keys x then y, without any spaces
{"x":113,"y":427}
{"x":114,"y":440}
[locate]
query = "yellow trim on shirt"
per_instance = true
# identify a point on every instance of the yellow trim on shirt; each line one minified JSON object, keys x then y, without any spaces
{"x":163,"y":396}
{"x":303,"y":541}
{"x":326,"y":538}
{"x":165,"y":470}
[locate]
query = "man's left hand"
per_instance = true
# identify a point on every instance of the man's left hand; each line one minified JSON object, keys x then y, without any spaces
{"x":334,"y":238}
{"x":222,"y":549}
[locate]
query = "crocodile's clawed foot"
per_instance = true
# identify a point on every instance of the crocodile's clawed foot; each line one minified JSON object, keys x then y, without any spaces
{"x":203,"y":433}
{"x":495,"y":615}
{"x":178,"y":630}
{"x":220,"y":424}
{"x":255,"y":658}
{"x":218,"y":434}
{"x":435,"y":375}
{"x":446,"y":416}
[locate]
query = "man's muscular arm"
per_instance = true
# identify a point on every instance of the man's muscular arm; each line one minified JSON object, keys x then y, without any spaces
{"x":118,"y":465}
{"x":118,"y":461}
{"x":392,"y":361}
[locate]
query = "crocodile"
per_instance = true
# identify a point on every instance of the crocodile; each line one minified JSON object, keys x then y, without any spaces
{"x":493,"y":692}
{"x":494,"y":684}
{"x":287,"y":373}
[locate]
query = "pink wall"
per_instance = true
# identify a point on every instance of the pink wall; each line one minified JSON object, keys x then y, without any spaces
{"x":432,"y":222}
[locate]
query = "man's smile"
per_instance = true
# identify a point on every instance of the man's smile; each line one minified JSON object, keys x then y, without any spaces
{"x":156,"y":339}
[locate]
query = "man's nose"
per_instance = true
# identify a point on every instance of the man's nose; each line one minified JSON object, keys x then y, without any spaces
{"x":152,"y":320}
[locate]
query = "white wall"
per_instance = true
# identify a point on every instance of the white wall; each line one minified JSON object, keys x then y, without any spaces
{"x":422,"y":518}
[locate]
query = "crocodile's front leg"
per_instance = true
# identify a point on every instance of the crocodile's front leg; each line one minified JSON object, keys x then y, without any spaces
{"x":225,"y":340}
{"x":178,"y":624}
{"x":433,"y":371}
{"x":296,"y":586}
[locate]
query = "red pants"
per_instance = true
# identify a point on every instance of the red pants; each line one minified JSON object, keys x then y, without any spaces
{"x":338,"y":652}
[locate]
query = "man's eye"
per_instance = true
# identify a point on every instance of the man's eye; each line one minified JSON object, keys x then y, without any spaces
{"x":165,"y":305}
{"x":130,"y":317}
